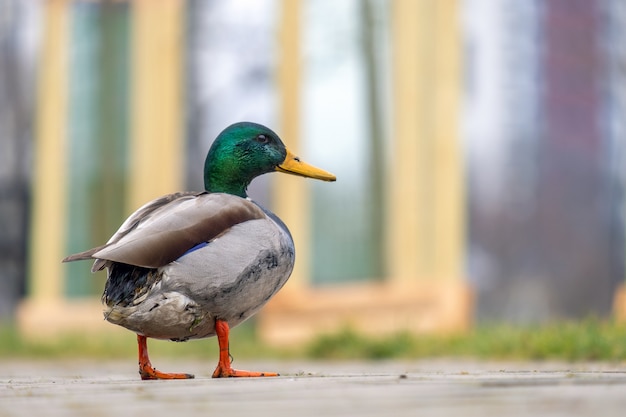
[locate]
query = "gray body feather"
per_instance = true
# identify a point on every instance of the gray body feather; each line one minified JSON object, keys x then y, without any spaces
{"x":247,"y":258}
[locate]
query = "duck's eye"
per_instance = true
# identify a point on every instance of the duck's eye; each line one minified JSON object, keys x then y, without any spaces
{"x":262,"y":139}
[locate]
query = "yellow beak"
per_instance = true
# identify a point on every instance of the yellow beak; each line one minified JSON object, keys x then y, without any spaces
{"x":293,"y":165}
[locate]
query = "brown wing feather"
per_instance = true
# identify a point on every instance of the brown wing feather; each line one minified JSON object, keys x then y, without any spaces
{"x":131,"y":222}
{"x":164,"y":229}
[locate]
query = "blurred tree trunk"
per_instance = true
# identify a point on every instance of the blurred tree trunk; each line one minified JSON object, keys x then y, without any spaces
{"x":374,"y":116}
{"x":197,"y":130}
{"x":16,"y":110}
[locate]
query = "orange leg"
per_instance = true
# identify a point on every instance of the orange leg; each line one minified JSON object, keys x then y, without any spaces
{"x":145,"y":367}
{"x":224,"y":369}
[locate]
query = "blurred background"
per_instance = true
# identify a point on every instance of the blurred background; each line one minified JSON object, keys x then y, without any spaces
{"x":478,"y":143}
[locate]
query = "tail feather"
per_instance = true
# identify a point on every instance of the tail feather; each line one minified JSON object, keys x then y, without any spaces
{"x":81,"y":256}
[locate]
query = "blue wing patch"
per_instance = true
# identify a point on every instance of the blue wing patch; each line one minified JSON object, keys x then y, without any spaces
{"x":198,"y":246}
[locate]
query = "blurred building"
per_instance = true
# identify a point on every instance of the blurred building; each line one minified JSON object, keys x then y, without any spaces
{"x":17,"y":62}
{"x":545,"y":147}
{"x":478,"y":148}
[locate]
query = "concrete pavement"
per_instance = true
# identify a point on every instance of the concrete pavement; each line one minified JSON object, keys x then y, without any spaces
{"x":424,"y":388}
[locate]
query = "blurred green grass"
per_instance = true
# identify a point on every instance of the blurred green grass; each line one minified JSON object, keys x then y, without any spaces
{"x":587,"y":340}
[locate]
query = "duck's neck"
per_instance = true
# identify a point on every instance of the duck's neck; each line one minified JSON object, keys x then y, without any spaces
{"x":216,"y":182}
{"x":229,"y":169}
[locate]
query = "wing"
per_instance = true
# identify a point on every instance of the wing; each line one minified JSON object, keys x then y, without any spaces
{"x":164,"y":229}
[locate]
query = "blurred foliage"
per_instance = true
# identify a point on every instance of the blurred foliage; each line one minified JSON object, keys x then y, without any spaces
{"x":587,"y":340}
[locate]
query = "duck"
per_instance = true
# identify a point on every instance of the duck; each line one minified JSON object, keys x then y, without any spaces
{"x":192,"y":265}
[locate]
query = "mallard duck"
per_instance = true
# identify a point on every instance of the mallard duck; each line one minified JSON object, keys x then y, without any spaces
{"x":191,"y":265}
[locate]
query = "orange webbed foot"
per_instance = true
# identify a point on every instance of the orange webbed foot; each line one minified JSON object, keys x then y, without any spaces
{"x":228,"y":372}
{"x":224,"y":370}
{"x":147,"y":371}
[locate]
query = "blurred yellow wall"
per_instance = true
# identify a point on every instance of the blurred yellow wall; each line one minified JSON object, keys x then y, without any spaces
{"x":424,"y":290}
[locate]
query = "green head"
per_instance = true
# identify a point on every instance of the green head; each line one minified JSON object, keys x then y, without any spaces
{"x":246,"y":150}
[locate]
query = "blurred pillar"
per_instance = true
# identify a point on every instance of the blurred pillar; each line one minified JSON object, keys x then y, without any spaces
{"x":616,"y":79}
{"x":291,"y":196}
{"x":426,"y":200}
{"x":156,"y":153}
{"x":49,"y":186}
